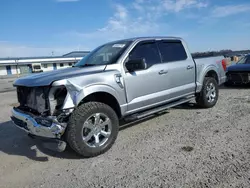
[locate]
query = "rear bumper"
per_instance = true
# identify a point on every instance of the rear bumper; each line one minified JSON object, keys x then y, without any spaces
{"x":29,"y":124}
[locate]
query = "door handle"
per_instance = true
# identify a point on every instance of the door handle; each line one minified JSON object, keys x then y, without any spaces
{"x":163,"y":72}
{"x":190,"y":67}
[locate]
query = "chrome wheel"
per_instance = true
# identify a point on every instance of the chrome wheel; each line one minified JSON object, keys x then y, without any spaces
{"x":96,"y":130}
{"x":210,"y":92}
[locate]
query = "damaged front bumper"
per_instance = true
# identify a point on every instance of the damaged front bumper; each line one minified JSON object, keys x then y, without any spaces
{"x":38,"y":126}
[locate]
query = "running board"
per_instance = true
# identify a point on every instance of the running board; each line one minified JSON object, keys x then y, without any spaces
{"x":157,"y":109}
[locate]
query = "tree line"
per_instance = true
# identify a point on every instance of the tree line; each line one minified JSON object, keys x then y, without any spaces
{"x":225,"y":53}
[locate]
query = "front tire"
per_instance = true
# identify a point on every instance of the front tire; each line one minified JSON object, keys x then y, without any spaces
{"x":92,"y":129}
{"x":209,"y":94}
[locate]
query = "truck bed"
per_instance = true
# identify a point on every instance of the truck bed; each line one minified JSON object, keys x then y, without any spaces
{"x":209,"y":62}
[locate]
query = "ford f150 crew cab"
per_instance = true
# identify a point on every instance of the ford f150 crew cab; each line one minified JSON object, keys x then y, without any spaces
{"x":127,"y":79}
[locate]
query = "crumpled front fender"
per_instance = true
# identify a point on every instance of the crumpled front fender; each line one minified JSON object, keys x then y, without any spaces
{"x":77,"y":93}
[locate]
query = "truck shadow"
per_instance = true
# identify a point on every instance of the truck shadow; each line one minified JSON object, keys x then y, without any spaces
{"x":17,"y":142}
{"x":125,"y":125}
{"x":247,"y":86}
{"x":189,"y":106}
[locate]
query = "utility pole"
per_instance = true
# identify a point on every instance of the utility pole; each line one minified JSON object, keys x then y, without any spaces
{"x":16,"y":62}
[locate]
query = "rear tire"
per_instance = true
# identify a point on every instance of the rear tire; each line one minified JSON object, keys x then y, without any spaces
{"x":208,"y":98}
{"x":92,"y":129}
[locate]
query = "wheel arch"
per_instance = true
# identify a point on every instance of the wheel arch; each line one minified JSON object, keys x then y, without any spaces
{"x":107,"y":96}
{"x":209,"y":71}
{"x":212,"y":73}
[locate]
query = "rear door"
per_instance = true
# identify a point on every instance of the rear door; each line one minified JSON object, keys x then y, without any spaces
{"x":181,"y":68}
{"x":146,"y":88}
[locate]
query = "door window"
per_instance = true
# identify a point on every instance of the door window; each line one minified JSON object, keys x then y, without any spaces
{"x":172,"y":51}
{"x":148,"y":51}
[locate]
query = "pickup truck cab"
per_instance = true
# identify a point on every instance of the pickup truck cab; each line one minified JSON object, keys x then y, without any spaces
{"x":126,"y":79}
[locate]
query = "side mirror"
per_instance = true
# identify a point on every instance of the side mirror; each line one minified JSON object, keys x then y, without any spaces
{"x":136,"y":64}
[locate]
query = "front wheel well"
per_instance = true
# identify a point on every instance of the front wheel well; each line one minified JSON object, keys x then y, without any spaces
{"x":105,"y":98}
{"x":212,"y":74}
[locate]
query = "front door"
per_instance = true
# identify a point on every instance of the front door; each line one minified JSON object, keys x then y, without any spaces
{"x":146,"y":88}
{"x":181,"y":68}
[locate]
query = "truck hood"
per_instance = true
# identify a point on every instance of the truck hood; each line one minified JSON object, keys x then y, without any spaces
{"x":239,"y":67}
{"x":46,"y":78}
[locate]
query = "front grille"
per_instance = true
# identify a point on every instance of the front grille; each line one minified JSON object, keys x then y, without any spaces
{"x":238,"y":77}
{"x":19,"y":123}
{"x":33,"y":98}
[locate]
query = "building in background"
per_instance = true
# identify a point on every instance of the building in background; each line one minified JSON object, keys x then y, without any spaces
{"x":26,"y":65}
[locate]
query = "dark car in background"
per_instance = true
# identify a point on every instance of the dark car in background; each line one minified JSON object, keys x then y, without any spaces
{"x":239,"y":73}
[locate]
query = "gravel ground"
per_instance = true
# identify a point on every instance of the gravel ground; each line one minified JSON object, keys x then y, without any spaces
{"x":6,"y":82}
{"x":184,"y":147}
{"x":6,"y":85}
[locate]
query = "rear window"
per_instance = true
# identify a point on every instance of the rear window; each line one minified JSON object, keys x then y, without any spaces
{"x":172,"y":51}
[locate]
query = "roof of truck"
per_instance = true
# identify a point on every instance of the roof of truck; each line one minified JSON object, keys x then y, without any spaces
{"x":154,"y":37}
{"x":146,"y":38}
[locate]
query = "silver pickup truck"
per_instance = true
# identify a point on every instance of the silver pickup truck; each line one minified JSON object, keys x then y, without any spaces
{"x":122,"y":80}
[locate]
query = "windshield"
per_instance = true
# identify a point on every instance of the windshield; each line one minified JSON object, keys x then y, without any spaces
{"x":244,"y":60}
{"x":105,"y":54}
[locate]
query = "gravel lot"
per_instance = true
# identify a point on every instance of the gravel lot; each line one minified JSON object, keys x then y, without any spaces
{"x":6,"y":85}
{"x":184,"y":147}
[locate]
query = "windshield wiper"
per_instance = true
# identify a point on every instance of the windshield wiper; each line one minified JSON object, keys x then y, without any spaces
{"x":86,"y":65}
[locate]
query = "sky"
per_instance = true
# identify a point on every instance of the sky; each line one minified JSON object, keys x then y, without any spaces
{"x":56,"y":27}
